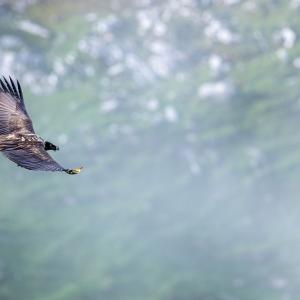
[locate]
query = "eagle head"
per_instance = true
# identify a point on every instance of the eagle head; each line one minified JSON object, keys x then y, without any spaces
{"x":50,"y":146}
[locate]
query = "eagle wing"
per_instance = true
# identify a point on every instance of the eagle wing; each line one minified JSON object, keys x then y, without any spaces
{"x":33,"y":157}
{"x":13,"y":115}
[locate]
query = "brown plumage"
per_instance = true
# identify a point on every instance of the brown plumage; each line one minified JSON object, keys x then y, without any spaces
{"x":18,"y":141}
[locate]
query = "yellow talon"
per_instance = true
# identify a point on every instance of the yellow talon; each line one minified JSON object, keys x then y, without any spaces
{"x":74,"y":171}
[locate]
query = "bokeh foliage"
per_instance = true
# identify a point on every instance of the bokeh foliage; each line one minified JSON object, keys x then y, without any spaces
{"x":185,"y":116}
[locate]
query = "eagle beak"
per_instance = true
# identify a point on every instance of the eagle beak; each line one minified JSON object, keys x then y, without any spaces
{"x":73,"y":171}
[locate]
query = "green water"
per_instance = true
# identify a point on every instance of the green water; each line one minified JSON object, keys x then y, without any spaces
{"x":185,"y":115}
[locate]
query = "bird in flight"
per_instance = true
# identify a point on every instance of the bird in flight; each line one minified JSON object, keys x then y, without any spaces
{"x":18,"y":140}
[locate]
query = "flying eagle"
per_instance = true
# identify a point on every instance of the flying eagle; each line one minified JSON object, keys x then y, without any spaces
{"x":18,"y":141}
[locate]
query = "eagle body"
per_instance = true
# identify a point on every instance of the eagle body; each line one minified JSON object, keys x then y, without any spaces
{"x":18,"y":140}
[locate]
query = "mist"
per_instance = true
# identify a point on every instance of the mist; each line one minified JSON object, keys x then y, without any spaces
{"x":185,"y":116}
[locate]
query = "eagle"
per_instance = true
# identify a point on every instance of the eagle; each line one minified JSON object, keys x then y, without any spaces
{"x":18,"y":140}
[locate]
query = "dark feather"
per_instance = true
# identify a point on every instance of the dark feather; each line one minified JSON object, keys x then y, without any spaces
{"x":33,"y":157}
{"x":13,"y":115}
{"x":20,"y":91}
{"x":14,"y":87}
{"x":9,"y":87}
{"x":4,"y":89}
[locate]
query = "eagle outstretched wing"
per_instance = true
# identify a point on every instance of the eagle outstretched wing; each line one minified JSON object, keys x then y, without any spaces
{"x":13,"y":115}
{"x":33,"y":157}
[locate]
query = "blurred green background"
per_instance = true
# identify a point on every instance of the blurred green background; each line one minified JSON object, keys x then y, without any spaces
{"x":185,"y":115}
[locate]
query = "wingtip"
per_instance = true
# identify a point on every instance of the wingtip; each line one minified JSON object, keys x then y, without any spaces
{"x":8,"y":85}
{"x":3,"y":87}
{"x":20,"y":90}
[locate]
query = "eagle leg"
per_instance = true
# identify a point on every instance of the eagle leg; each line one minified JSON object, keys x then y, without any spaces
{"x":73,"y":171}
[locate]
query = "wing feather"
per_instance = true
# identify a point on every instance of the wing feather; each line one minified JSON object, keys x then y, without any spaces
{"x":9,"y":87}
{"x":13,"y":115}
{"x":20,"y":93}
{"x":33,"y":157}
{"x":13,"y":87}
{"x":4,"y":88}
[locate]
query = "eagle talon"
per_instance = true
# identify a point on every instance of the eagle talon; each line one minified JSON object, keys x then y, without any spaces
{"x":73,"y":171}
